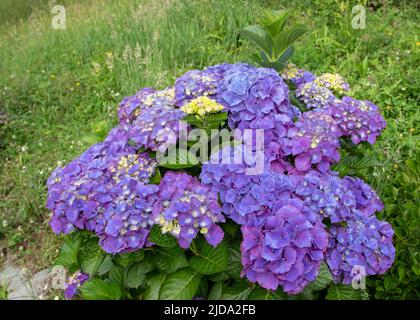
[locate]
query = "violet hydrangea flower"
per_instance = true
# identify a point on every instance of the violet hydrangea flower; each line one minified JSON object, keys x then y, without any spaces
{"x":315,"y":96}
{"x":297,"y":75}
{"x":287,"y":250}
{"x":359,"y":120}
{"x":186,"y":208}
{"x":314,"y":140}
{"x":364,"y":243}
{"x":73,"y":283}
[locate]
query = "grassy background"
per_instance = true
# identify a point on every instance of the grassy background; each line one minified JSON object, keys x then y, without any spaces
{"x":59,"y":91}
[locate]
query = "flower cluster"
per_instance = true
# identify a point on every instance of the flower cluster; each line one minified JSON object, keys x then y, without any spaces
{"x":73,"y":283}
{"x":296,"y":75}
{"x":188,"y":208}
{"x":365,"y":243}
{"x":359,"y":120}
{"x":334,"y":82}
{"x":201,"y":106}
{"x":286,"y":250}
{"x":284,"y":198}
{"x":314,"y":95}
{"x":314,"y":140}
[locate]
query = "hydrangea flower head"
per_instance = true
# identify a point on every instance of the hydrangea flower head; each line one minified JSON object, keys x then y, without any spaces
{"x":296,"y":75}
{"x":334,"y":82}
{"x":186,"y":208}
{"x":364,"y":243}
{"x":359,"y":120}
{"x":314,"y":140}
{"x":201,"y":106}
{"x":287,"y":250}
{"x":73,"y":283}
{"x":315,"y":96}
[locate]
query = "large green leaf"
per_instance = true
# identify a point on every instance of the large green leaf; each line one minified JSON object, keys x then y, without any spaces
{"x":287,"y":38}
{"x":116,"y":275}
{"x":178,"y":160}
{"x":91,"y":257}
{"x":342,"y":292}
{"x":106,"y":265}
{"x":98,"y":289}
{"x":126,"y":259}
{"x":323,"y":279}
{"x":69,"y":251}
{"x":163,"y":240}
{"x":235,"y":265}
{"x":181,"y":285}
{"x":154,"y":285}
{"x":240,"y":290}
{"x":134,"y":275}
{"x":209,"y":259}
{"x":259,"y":36}
{"x":169,"y":259}
{"x":216,"y":291}
{"x":275,"y":21}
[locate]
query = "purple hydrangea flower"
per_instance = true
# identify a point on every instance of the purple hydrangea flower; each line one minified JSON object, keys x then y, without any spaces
{"x":241,"y":193}
{"x":315,"y":96}
{"x":156,"y":127}
{"x":365,"y":243}
{"x":314,"y":140}
{"x":296,"y":75}
{"x":197,"y":83}
{"x":359,"y":120}
{"x":73,"y":283}
{"x":186,"y":208}
{"x":130,"y":107}
{"x":286,"y":250}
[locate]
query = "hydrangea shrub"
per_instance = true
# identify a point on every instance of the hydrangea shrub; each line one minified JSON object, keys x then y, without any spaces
{"x":142,"y":229}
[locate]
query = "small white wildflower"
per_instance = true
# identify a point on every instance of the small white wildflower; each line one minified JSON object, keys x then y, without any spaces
{"x":4,"y":223}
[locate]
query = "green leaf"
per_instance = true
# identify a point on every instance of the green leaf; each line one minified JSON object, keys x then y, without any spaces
{"x":259,"y":36}
{"x":91,"y":257}
{"x":98,"y":289}
{"x":213,"y":121}
{"x":69,"y":251}
{"x":235,"y":265}
{"x":116,"y":275}
{"x":262,"y":294}
{"x":134,"y":276}
{"x":155,"y":179}
{"x":240,"y":290}
{"x":216,"y":291}
{"x":181,"y":285}
{"x":342,"y":292}
{"x":281,"y":61}
{"x":154,"y":285}
{"x":125,"y":259}
{"x":169,"y":259}
{"x":323,"y":280}
{"x":209,"y":259}
{"x":178,"y":160}
{"x":106,"y":265}
{"x":222,"y":276}
{"x":163,"y":240}
{"x":287,"y":38}
{"x":275,"y":22}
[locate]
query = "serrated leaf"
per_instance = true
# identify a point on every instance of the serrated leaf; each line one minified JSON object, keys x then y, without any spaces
{"x":125,"y":259}
{"x":69,"y":252}
{"x":257,"y":35}
{"x":116,"y":275}
{"x":222,"y":276}
{"x":240,"y":290}
{"x":154,"y":285}
{"x":134,"y":276}
{"x":216,"y":291}
{"x":235,"y":265}
{"x":169,"y":259}
{"x":163,"y":240}
{"x":209,"y":259}
{"x":180,"y":285}
{"x":323,"y":279}
{"x":98,"y":289}
{"x":106,"y":265}
{"x":91,"y":257}
{"x":342,"y":292}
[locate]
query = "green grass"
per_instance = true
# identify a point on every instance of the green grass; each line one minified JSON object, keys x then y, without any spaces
{"x":60,"y":89}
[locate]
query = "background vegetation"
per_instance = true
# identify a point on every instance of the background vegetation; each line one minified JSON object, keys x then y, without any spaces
{"x":59,"y":91}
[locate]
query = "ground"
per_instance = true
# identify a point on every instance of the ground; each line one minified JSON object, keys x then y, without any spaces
{"x":59,"y":92}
